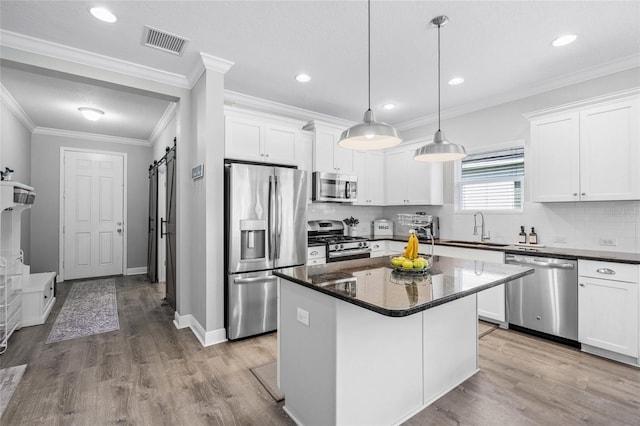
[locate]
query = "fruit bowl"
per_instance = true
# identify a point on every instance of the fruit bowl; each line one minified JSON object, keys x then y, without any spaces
{"x":417,"y":266}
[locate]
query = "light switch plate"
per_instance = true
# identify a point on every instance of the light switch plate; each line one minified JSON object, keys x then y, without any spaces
{"x":303,"y":316}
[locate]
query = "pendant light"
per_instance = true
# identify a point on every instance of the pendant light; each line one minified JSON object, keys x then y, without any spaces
{"x":440,"y":149}
{"x":370,"y":134}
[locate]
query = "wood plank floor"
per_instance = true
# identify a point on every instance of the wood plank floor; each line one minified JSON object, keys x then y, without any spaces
{"x":149,"y":373}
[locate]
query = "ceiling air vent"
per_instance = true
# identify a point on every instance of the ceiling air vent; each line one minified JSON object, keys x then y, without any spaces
{"x":163,"y":40}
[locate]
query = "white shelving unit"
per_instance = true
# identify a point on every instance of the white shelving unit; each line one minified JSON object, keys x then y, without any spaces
{"x":11,"y":269}
{"x":15,"y":198}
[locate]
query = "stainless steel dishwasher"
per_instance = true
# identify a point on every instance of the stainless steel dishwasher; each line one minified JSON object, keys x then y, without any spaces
{"x":546,"y":301}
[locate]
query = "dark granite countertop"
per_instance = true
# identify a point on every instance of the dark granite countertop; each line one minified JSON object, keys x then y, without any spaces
{"x":562,"y":253}
{"x":373,"y":284}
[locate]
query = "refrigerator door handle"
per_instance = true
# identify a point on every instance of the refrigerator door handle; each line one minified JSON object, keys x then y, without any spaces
{"x":269,"y":219}
{"x":278,"y":230}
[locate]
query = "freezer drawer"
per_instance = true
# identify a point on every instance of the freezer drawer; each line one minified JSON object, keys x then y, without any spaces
{"x":252,"y":304}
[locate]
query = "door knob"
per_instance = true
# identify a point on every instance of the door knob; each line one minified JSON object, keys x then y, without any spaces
{"x":119,"y":230}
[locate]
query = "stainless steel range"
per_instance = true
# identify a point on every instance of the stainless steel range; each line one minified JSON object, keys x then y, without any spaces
{"x":339,"y":246}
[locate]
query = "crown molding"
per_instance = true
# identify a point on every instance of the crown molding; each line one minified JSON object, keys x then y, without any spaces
{"x":270,"y":107}
{"x":586,"y":74}
{"x":83,"y":57}
{"x":609,"y":97}
{"x":163,"y":122}
{"x":15,"y":108}
{"x":95,"y":137}
{"x":208,"y":62}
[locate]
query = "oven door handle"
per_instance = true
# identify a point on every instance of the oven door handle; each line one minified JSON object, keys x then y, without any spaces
{"x":348,"y":253}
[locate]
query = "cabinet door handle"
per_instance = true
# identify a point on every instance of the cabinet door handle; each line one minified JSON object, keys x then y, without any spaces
{"x":575,"y":194}
{"x":606,"y":271}
{"x":583,"y":193}
{"x":581,"y":285}
{"x":45,"y":296}
{"x":313,"y":253}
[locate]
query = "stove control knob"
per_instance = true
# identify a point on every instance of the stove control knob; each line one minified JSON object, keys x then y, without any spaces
{"x":361,"y":244}
{"x":336,"y":247}
{"x":341,"y":246}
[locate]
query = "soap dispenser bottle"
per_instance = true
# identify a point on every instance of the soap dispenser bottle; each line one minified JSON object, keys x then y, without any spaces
{"x":522,"y":236}
{"x":533,"y":237}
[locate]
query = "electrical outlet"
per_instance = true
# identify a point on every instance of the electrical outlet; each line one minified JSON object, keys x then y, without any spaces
{"x":560,"y":239}
{"x":303,"y":316}
{"x":608,"y":242}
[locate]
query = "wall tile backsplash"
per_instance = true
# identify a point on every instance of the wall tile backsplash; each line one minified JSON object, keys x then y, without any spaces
{"x":609,"y":226}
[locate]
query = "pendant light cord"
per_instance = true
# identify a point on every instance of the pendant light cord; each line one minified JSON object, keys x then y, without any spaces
{"x":369,"y":46}
{"x":438,"y":77}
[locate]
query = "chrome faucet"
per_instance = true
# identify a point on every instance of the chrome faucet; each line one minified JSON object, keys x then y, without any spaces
{"x":483,"y":235}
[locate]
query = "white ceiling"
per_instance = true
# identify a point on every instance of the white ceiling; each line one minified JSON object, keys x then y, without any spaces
{"x":501,"y":48}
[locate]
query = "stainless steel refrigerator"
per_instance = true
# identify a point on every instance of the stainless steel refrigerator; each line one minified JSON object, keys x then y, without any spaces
{"x":265,"y":229}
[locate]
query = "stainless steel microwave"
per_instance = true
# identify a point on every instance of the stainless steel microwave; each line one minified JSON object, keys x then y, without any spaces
{"x":334,"y":188}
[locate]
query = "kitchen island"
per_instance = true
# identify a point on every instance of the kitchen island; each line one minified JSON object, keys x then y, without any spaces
{"x":362,"y":344}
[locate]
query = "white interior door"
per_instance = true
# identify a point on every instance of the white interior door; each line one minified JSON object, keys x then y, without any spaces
{"x":93,"y":214}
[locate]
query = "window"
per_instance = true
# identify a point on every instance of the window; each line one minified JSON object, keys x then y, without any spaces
{"x":491,"y":180}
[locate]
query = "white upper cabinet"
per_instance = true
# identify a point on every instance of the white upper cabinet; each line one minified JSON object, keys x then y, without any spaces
{"x":327,"y":155}
{"x":304,"y":158}
{"x":410,"y":182}
{"x":260,"y":137}
{"x":610,"y":152}
{"x":587,"y":153}
{"x":369,"y":167}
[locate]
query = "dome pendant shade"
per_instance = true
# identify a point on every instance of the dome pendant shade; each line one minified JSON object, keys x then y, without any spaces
{"x":440,"y":150}
{"x":369,"y":135}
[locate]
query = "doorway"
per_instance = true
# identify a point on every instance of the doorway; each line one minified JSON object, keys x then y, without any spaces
{"x":93,"y":208}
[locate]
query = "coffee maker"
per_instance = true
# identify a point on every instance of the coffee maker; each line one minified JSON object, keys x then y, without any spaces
{"x":430,"y":225}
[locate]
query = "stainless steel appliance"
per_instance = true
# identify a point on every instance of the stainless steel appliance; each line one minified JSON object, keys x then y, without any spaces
{"x":335,"y":188}
{"x":547,"y":301}
{"x":265,"y":221}
{"x":430,"y":225}
{"x":339,"y":246}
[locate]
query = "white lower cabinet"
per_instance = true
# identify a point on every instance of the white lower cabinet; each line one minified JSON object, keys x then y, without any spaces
{"x":316,"y":255}
{"x":378,"y":248}
{"x":608,"y":304}
{"x":492,"y":301}
{"x":38,"y":297}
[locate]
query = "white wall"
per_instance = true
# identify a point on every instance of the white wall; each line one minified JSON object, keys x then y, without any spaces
{"x":581,"y":224}
{"x":15,"y":153}
{"x":45,"y":162}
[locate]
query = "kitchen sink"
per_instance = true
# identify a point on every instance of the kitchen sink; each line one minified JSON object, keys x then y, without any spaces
{"x":472,"y":243}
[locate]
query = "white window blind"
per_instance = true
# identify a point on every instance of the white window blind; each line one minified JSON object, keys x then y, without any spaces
{"x":491,"y":180}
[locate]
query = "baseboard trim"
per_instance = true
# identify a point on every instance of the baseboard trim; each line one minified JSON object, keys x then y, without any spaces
{"x":206,"y":338}
{"x":136,"y":271}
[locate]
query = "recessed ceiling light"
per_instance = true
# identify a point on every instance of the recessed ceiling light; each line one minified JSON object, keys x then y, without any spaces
{"x":455,"y":81}
{"x":388,"y":106}
{"x":564,"y":40}
{"x":103,"y":14}
{"x":91,"y":114}
{"x":303,"y":78}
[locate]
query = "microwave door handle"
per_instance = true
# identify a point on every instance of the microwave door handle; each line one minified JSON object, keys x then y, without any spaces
{"x":347,"y":189}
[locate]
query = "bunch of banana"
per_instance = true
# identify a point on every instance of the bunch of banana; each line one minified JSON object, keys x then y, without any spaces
{"x":411,"y":252}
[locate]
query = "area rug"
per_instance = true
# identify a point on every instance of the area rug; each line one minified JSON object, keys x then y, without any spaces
{"x":9,"y":379}
{"x":268,"y":375}
{"x":90,"y":308}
